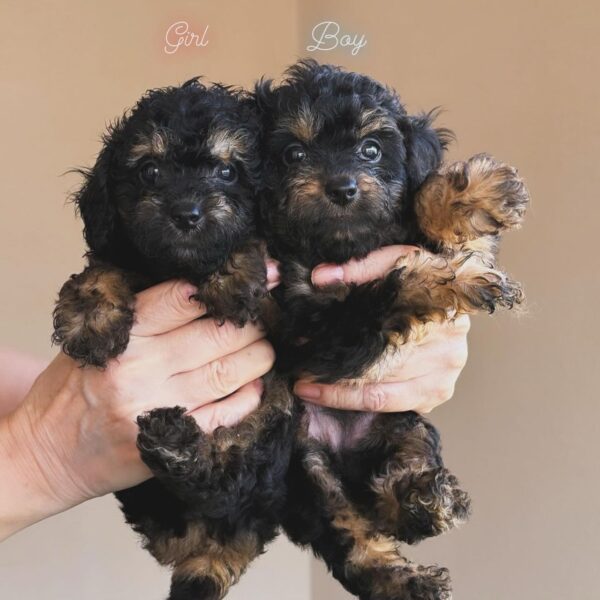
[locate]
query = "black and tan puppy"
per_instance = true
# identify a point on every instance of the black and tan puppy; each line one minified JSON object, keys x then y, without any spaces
{"x":349,"y":171}
{"x":173,"y":194}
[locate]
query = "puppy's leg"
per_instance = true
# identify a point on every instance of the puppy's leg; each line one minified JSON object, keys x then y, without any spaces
{"x":204,"y":563}
{"x":429,"y":287}
{"x":416,"y":496}
{"x":468,"y":200}
{"x":367,"y":563}
{"x":421,"y":289}
{"x":207,"y":557}
{"x":217,"y":472}
{"x":94,"y":314}
{"x":209,"y":571}
{"x":238,"y":290}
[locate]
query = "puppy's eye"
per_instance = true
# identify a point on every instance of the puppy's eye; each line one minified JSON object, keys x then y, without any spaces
{"x":294,"y":153}
{"x":149,"y":173}
{"x":370,"y":150}
{"x":226,"y":173}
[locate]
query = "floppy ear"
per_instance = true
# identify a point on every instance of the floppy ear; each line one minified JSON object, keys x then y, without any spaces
{"x":424,"y":146}
{"x":93,"y":199}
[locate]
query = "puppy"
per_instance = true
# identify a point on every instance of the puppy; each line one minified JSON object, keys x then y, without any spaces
{"x":173,"y":194}
{"x":349,"y":171}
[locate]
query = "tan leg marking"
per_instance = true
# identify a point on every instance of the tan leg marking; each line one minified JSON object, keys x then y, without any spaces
{"x":196,"y":555}
{"x":224,"y":564}
{"x":372,"y":551}
{"x":94,"y":314}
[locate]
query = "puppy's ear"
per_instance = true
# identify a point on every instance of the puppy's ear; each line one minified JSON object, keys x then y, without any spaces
{"x":93,"y":200}
{"x":425,"y":146}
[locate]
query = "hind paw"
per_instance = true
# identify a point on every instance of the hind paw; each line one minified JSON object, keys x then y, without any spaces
{"x":429,"y":505}
{"x":169,"y":441}
{"x":405,"y":583}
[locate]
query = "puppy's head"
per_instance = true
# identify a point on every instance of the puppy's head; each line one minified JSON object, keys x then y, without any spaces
{"x":342,"y":159}
{"x":175,"y":180}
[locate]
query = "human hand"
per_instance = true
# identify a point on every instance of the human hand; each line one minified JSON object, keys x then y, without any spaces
{"x":419,"y":376}
{"x":74,"y":436}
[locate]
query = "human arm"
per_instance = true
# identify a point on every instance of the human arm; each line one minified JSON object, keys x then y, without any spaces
{"x":74,"y":436}
{"x":18,"y":371}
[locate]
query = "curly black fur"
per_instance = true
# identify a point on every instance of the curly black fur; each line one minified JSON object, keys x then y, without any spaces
{"x":348,"y":171}
{"x":173,"y":194}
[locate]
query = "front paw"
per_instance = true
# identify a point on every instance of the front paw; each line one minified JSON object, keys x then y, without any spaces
{"x":484,"y":288}
{"x":470,"y":200}
{"x":240,"y":306}
{"x":489,"y":194}
{"x":92,"y":323}
{"x":169,"y":442}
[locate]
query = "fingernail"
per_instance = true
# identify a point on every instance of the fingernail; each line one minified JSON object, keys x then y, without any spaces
{"x":272,"y":271}
{"x":189,"y":290}
{"x":259,"y":386}
{"x":308,"y":391}
{"x":327,"y":274}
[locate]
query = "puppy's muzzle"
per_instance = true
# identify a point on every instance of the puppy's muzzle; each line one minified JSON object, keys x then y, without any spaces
{"x":186,"y":215}
{"x":342,"y":190}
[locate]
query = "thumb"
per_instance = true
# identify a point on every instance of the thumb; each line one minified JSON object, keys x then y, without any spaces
{"x":375,"y":265}
{"x":164,"y":307}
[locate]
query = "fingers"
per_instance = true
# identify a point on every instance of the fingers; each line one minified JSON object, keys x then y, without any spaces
{"x":221,"y":377}
{"x":375,"y":265}
{"x":200,"y":343}
{"x":443,"y":347}
{"x":423,"y":376}
{"x":421,"y":394}
{"x":230,"y":411}
{"x":164,"y":307}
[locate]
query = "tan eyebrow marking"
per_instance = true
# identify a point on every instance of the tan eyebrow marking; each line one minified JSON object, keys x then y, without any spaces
{"x":227,"y":145}
{"x":154,"y":145}
{"x":304,"y":125}
{"x":374,"y":120}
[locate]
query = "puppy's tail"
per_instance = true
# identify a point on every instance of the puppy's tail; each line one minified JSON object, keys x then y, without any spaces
{"x":196,"y":587}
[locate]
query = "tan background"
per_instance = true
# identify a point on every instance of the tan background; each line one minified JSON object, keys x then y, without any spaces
{"x":518,"y":79}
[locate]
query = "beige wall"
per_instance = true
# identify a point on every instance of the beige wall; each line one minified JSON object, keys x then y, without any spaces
{"x":518,"y":79}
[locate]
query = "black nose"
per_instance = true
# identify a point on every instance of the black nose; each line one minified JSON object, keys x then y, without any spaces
{"x":342,"y":189}
{"x":185,"y":215}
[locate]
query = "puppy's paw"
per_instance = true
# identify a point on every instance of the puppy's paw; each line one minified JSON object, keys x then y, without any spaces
{"x":493,"y":190}
{"x":240,"y":301}
{"x":93,"y":317}
{"x":472,"y":199}
{"x":244,"y":306}
{"x":407,"y":582}
{"x":478,"y":287}
{"x":430,"y":583}
{"x":430,"y":504}
{"x":169,"y":442}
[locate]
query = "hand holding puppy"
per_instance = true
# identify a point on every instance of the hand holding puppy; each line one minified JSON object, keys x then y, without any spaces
{"x":421,"y":375}
{"x":74,"y":436}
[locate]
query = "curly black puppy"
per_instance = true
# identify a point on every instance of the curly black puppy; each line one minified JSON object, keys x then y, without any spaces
{"x":348,"y":171}
{"x":173,"y":194}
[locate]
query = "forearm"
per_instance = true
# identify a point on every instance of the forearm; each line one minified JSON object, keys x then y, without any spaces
{"x":26,"y":494}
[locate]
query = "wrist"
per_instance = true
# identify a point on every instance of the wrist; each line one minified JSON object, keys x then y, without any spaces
{"x":35,"y":483}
